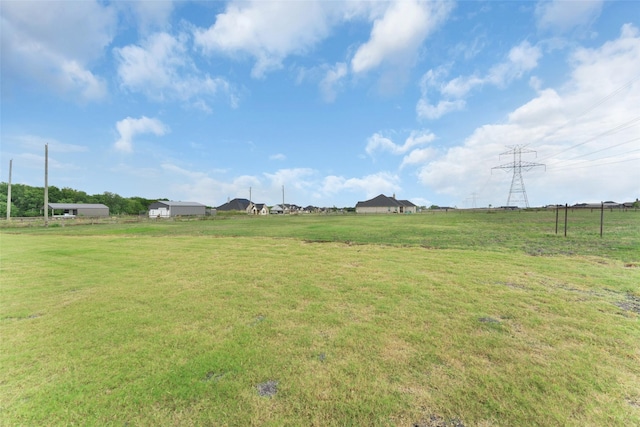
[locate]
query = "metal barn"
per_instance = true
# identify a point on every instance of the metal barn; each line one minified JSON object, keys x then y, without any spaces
{"x":168,"y":209}
{"x":78,"y":209}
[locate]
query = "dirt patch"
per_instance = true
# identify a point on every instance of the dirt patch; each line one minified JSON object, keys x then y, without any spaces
{"x":630,"y":303}
{"x":213,"y":376}
{"x":438,"y":421}
{"x":268,"y":389}
{"x":488,"y":320}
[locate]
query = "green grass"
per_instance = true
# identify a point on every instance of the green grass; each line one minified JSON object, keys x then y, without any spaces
{"x":490,"y":319}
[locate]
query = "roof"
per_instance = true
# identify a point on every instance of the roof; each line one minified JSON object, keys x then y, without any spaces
{"x":172,"y":203}
{"x":235,"y":205}
{"x":383,"y":201}
{"x":77,"y":206}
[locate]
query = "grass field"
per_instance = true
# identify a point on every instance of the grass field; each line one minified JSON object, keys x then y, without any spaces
{"x":470,"y":319}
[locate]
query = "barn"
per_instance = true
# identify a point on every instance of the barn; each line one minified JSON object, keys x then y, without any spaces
{"x":167,"y":209}
{"x":78,"y":209}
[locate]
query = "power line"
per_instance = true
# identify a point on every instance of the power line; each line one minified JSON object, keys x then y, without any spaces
{"x":611,"y":131}
{"x":591,"y":107}
{"x":600,"y":164}
{"x":598,"y":151}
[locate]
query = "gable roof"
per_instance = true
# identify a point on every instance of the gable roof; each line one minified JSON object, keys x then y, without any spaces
{"x":383,"y":201}
{"x":235,"y":205}
{"x":379,"y":201}
{"x":172,"y":203}
{"x":77,"y":206}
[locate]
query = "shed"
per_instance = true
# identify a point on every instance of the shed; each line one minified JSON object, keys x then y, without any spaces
{"x":385,"y":204}
{"x":167,"y":209}
{"x":78,"y":209}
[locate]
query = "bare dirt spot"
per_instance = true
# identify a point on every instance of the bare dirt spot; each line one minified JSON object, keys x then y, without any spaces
{"x":438,"y":421}
{"x":213,"y":376}
{"x":630,"y":303}
{"x":268,"y":389}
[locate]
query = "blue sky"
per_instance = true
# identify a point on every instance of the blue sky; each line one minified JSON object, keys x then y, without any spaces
{"x":336,"y":101}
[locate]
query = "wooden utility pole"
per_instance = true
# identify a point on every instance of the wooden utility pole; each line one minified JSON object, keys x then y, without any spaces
{"x":46,"y":185}
{"x":9,"y":192}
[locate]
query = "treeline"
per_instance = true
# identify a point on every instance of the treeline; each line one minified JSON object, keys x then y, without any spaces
{"x":29,"y":201}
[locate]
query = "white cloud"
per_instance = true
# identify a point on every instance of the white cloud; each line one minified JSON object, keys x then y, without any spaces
{"x":332,"y":80}
{"x":561,"y":15}
{"x":151,"y":14}
{"x":54,"y":44}
{"x":521,"y":59}
{"x":38,"y":142}
{"x":297,"y":178}
{"x":583,"y":132}
{"x":428,"y":111}
{"x":128,"y":128}
{"x":278,"y":156}
{"x":188,"y":185}
{"x":162,"y":69}
{"x":370,"y":185}
{"x":418,"y":156}
{"x":378,"y":142}
{"x":267,"y":31}
{"x":398,"y":34}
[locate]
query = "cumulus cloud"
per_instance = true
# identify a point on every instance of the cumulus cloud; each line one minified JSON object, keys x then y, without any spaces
{"x":150,"y":15}
{"x":128,"y":128}
{"x":521,"y":59}
{"x":561,"y":16}
{"x":54,"y":45}
{"x":267,"y":31}
{"x":418,"y":157}
{"x":582,"y":131}
{"x":378,"y":142}
{"x":397,"y":35}
{"x":278,"y":156}
{"x":187,"y":184}
{"x":370,"y":185}
{"x":161,"y":68}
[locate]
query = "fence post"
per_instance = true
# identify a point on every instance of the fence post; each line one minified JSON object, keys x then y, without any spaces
{"x":566,"y":212}
{"x":601,"y":216}
{"x":557,"y":219}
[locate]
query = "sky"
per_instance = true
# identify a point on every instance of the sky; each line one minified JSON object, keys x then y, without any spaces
{"x":324,"y":103}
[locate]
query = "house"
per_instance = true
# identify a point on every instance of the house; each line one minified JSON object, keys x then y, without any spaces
{"x":385,"y":204}
{"x":258,"y":209}
{"x":235,"y":205}
{"x":167,"y":209}
{"x":78,"y":209}
{"x":285,"y":209}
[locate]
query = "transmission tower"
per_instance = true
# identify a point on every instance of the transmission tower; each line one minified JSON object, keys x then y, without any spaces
{"x":517,"y":193}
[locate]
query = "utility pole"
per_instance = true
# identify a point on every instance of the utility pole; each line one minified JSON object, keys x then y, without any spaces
{"x":283,"y":199}
{"x":46,"y":185}
{"x":9,"y":192}
{"x":517,"y":192}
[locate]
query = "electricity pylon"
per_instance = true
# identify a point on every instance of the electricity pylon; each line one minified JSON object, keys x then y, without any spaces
{"x":517,"y":192}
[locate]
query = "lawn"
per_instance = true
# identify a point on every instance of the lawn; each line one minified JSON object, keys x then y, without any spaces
{"x":470,"y":319}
